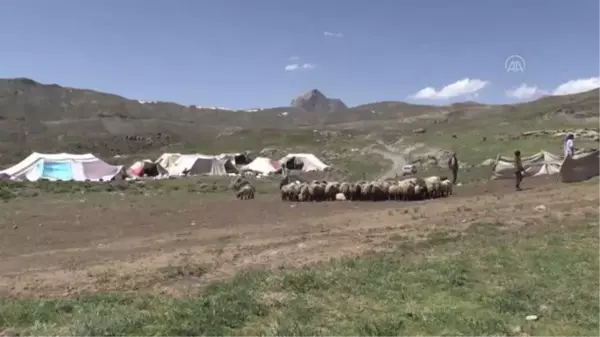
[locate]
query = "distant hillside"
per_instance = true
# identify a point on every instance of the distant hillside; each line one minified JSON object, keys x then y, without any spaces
{"x":41,"y":117}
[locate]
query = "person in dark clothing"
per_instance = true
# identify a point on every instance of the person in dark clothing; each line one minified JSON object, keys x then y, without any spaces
{"x":519,"y":170}
{"x":453,"y":166}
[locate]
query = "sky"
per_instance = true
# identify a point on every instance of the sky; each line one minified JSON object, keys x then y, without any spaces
{"x":255,"y":54}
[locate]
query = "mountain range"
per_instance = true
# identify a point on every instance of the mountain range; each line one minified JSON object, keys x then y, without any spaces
{"x":51,"y":118}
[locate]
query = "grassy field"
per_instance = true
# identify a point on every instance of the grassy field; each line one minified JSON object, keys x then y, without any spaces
{"x":483,"y":281}
{"x":501,"y":138}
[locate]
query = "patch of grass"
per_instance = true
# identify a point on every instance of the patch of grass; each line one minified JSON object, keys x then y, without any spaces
{"x":483,"y":282}
{"x":201,"y":186}
{"x":465,"y":175}
{"x":362,"y":166}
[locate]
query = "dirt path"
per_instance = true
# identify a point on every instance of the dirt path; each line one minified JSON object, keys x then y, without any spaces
{"x":398,"y":161}
{"x":156,"y":245}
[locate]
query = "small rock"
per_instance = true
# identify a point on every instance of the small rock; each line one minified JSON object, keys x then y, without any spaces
{"x":193,"y":223}
{"x":532,"y":318}
{"x":540,"y":208}
{"x":15,"y":227}
{"x":340,"y":197}
{"x":517,"y":329}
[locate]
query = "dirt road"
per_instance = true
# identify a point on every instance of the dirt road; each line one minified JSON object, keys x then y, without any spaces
{"x":66,"y":247}
{"x":398,"y":161}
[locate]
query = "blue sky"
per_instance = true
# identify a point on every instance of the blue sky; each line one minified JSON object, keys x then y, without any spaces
{"x":234,"y":53}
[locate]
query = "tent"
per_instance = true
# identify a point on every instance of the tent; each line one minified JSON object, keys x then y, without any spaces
{"x":63,"y":166}
{"x":541,"y":163}
{"x":580,"y":167}
{"x":236,"y":158}
{"x":192,"y":164}
{"x":147,"y":168}
{"x":263,"y":165}
{"x":303,"y":161}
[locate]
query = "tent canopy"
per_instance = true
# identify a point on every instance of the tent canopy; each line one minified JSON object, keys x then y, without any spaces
{"x":580,"y":167}
{"x":263,"y":165}
{"x":303,"y":161}
{"x":192,"y":164}
{"x":63,"y":166}
{"x":541,"y":163}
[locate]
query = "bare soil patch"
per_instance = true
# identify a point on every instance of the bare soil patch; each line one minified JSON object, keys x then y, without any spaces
{"x":156,"y":244}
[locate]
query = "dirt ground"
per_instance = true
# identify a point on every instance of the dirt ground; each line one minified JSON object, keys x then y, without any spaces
{"x":166,"y":245}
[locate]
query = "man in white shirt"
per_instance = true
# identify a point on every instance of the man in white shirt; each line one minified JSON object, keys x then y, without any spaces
{"x":569,"y":146}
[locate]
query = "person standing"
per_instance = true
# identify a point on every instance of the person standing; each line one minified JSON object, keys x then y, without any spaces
{"x":569,"y":147}
{"x":453,"y":166}
{"x":519,"y":170}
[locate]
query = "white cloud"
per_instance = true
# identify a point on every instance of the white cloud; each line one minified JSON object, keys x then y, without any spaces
{"x":291,"y":67}
{"x":462,"y":87}
{"x":332,"y":34}
{"x":577,"y":86}
{"x":524,"y":91}
{"x":296,"y":66}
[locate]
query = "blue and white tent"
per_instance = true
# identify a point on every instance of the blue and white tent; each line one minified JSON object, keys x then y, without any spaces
{"x":63,"y":166}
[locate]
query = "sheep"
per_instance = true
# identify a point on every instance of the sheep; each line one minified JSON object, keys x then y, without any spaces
{"x":446,"y":187}
{"x":355,"y":192}
{"x":304,"y":193}
{"x":288,"y":192}
{"x":365,"y":191}
{"x":246,"y":192}
{"x":385,"y":186}
{"x":395,"y":192}
{"x":378,"y":192}
{"x":407,"y":190}
{"x":433,"y":184}
{"x":316,"y":192}
{"x":345,"y":189}
{"x":331,"y":189}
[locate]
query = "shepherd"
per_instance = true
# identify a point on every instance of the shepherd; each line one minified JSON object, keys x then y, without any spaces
{"x":519,"y":170}
{"x":453,"y":166}
{"x":569,"y":146}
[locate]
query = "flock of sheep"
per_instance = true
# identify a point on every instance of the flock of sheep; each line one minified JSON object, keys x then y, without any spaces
{"x":408,"y":189}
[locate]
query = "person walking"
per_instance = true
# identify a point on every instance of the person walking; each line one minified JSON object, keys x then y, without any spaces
{"x":453,"y":166}
{"x":569,"y":146}
{"x":519,"y":170}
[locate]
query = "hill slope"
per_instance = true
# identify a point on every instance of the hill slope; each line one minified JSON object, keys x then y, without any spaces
{"x":51,"y":118}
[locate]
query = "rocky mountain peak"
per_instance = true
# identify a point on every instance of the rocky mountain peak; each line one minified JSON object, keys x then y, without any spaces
{"x":315,"y":101}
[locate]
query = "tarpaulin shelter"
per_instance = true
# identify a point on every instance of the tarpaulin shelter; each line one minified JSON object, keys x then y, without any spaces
{"x":146,"y":168}
{"x":262,"y":165}
{"x":63,"y":166}
{"x":580,"y":167}
{"x":303,"y":161}
{"x":193,"y":164}
{"x":541,"y":163}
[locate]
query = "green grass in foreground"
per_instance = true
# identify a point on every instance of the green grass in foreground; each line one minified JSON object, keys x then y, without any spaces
{"x":484,"y":282}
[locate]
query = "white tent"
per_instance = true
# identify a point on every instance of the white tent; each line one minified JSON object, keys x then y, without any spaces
{"x":541,"y":163}
{"x":63,"y":166}
{"x":307,"y":161}
{"x":262,"y":165}
{"x":580,"y":167}
{"x":192,"y":164}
